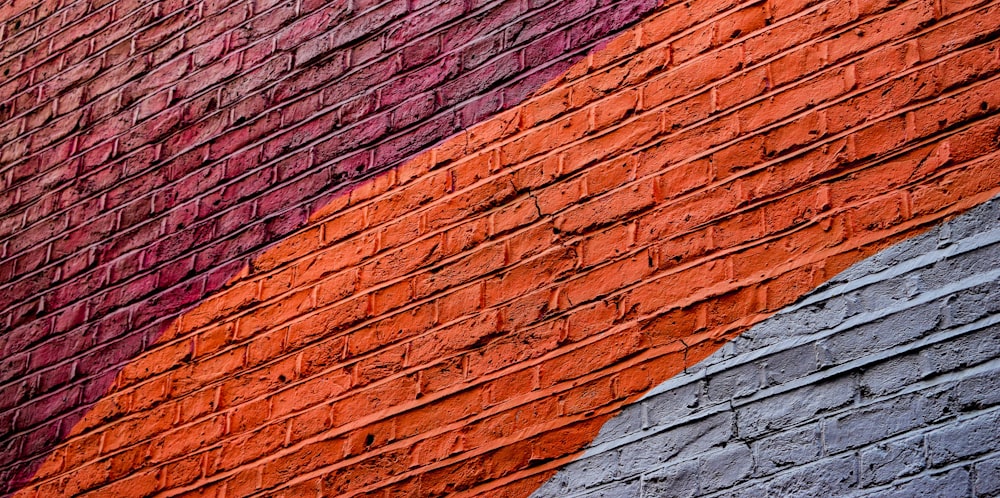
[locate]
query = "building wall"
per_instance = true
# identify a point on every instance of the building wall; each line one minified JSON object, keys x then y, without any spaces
{"x":884,"y":382}
{"x":422,"y":249}
{"x":152,"y":149}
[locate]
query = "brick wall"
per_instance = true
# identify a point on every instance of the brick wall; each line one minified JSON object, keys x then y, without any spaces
{"x":151,"y":148}
{"x":884,"y":384}
{"x":236,"y":262}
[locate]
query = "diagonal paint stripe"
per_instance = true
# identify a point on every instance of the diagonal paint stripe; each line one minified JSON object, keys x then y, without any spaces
{"x":253,"y":117}
{"x":888,"y":337}
{"x":970,"y":244}
{"x":434,"y":347}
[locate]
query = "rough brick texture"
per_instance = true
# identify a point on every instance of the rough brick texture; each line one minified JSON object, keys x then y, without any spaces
{"x":149,"y":148}
{"x":466,"y":320}
{"x":882,"y":383}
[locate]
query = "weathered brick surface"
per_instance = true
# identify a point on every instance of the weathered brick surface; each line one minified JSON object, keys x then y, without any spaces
{"x":150,"y":148}
{"x":908,"y":406}
{"x":466,"y":320}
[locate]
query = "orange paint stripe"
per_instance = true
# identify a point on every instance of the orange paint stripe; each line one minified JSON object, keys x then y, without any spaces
{"x":468,"y":322}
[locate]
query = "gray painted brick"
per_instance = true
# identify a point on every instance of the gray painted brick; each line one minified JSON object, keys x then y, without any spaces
{"x":835,"y":476}
{"x":883,"y":294}
{"x":629,"y":421}
{"x":809,"y":319}
{"x":977,"y":392}
{"x":888,"y":377}
{"x":788,"y":448}
{"x":942,"y":273}
{"x":971,"y":305}
{"x":589,"y":472}
{"x":972,"y":222}
{"x":891,"y":460}
{"x":962,"y":352}
{"x":938,"y":403}
{"x":880,"y":335}
{"x":872,"y":423}
{"x":790,"y":364}
{"x":725,"y":468}
{"x":799,"y":405}
{"x":987,"y":480}
{"x":680,"y":481}
{"x":968,"y":438}
{"x":626,"y":489}
{"x":741,"y":381}
{"x":728,"y":350}
{"x":683,"y":442}
{"x":674,"y":404}
{"x":951,"y":484}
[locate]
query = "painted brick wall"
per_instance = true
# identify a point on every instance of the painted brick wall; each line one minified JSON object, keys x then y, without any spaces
{"x":239,"y":259}
{"x":150,"y":147}
{"x":884,"y":383}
